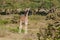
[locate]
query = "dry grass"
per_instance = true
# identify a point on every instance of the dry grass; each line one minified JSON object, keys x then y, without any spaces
{"x":10,"y":31}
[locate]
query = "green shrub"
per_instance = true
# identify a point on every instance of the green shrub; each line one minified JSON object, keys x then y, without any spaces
{"x":3,"y":21}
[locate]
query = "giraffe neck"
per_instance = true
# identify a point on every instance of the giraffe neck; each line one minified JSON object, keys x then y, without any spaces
{"x":27,"y":14}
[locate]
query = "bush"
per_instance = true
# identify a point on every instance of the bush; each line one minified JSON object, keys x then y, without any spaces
{"x":3,"y":21}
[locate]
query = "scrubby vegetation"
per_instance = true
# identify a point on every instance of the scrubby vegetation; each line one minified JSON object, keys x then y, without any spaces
{"x":48,"y":25}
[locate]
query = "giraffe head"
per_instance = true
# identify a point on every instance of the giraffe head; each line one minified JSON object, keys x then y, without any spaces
{"x":26,"y":11}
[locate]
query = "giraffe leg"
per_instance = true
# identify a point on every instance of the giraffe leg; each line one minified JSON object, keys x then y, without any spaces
{"x":20,"y":27}
{"x":26,"y":24}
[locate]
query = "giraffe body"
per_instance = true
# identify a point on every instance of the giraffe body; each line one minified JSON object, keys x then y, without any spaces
{"x":23,"y":19}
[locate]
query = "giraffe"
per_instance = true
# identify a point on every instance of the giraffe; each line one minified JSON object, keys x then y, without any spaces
{"x":24,"y":19}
